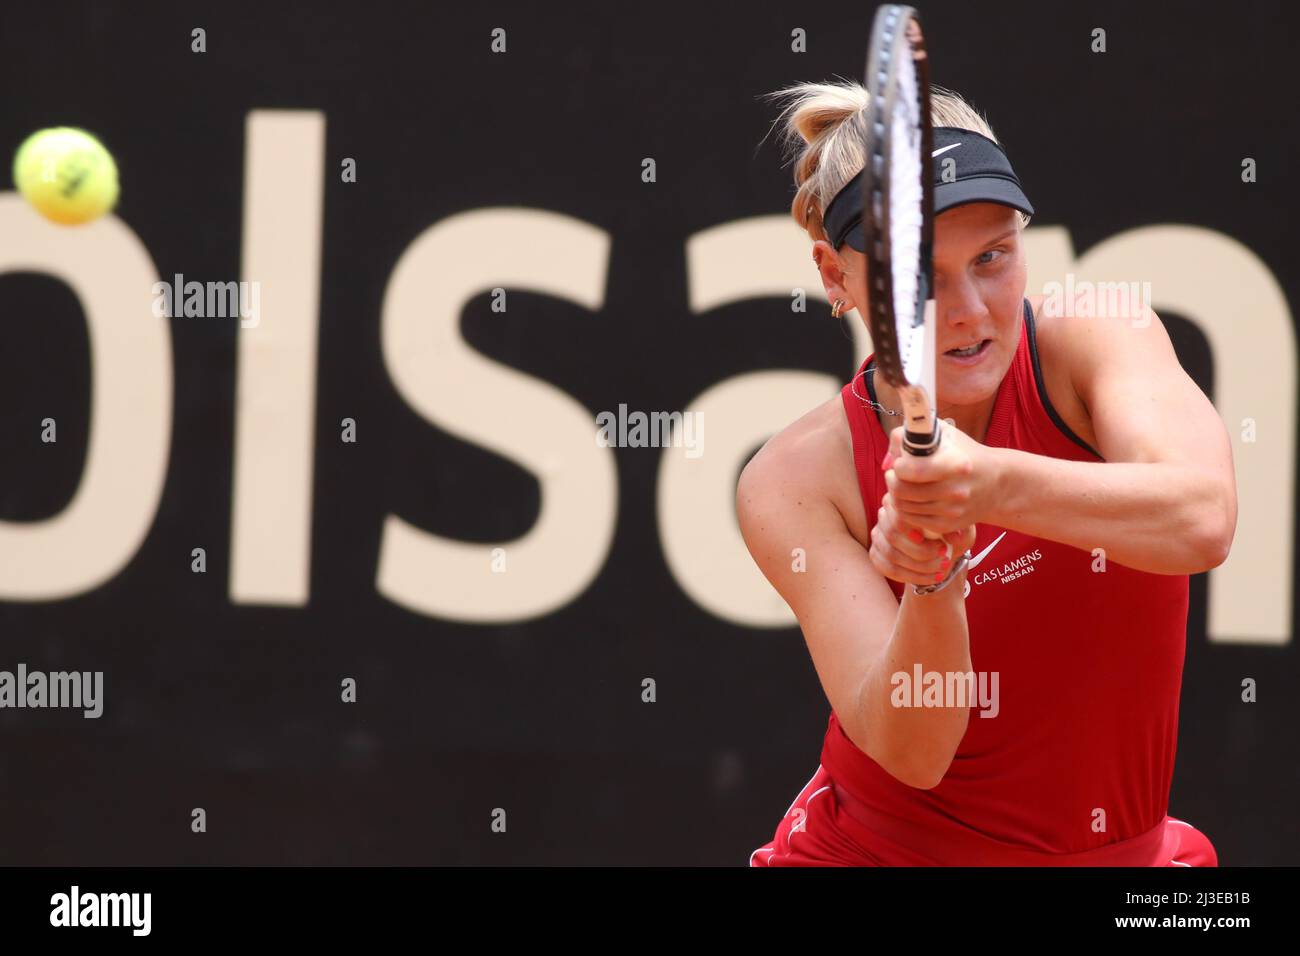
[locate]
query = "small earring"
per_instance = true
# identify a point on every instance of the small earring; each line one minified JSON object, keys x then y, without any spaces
{"x":837,"y":308}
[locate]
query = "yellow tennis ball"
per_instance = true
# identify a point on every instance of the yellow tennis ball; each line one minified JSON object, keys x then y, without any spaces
{"x":66,"y":174}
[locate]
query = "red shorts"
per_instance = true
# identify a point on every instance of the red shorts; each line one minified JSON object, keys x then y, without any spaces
{"x":825,"y":826}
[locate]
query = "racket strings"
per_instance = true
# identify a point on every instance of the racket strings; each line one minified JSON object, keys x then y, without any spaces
{"x":897,"y":216}
{"x":905,"y":214}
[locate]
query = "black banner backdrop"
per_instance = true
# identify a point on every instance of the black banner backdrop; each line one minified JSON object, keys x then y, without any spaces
{"x":219,"y":698}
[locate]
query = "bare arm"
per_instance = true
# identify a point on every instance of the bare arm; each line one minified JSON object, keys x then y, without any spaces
{"x":1165,"y":498}
{"x":856,"y":631}
{"x":931,"y":631}
{"x":1158,"y":517}
{"x":1163,"y":501}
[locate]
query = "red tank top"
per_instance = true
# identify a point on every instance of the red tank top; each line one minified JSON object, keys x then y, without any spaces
{"x":1089,"y":663}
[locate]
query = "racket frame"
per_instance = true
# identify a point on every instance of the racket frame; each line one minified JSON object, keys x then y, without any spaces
{"x":897,"y":32}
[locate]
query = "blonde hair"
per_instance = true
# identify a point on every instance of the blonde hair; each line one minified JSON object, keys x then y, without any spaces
{"x":828,"y":149}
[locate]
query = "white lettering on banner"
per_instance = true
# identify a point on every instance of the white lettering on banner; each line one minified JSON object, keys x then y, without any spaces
{"x":275,"y":394}
{"x":496,"y":407}
{"x":129,"y":435}
{"x":695,"y":500}
{"x":535,"y":424}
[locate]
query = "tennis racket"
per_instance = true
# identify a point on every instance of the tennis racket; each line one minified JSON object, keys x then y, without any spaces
{"x":898,"y":220}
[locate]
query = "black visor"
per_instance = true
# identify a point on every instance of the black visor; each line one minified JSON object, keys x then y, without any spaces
{"x":968,"y":168}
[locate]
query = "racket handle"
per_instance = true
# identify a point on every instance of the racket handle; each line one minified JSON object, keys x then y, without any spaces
{"x":924,"y":445}
{"x":921,"y":444}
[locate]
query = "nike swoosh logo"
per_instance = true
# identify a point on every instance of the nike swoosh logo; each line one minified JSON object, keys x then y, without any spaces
{"x":944,"y":150}
{"x":985,"y":553}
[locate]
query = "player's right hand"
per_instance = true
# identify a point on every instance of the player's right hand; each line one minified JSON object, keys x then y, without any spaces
{"x":901,"y":552}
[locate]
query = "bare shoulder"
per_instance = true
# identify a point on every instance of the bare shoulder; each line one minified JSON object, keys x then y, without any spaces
{"x":1087,"y":340}
{"x":1058,"y":353}
{"x":812,"y":456}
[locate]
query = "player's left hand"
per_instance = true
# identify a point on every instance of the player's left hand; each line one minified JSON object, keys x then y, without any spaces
{"x":946,"y":491}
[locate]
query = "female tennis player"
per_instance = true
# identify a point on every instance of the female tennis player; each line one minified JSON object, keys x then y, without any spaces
{"x":1019,"y":707}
